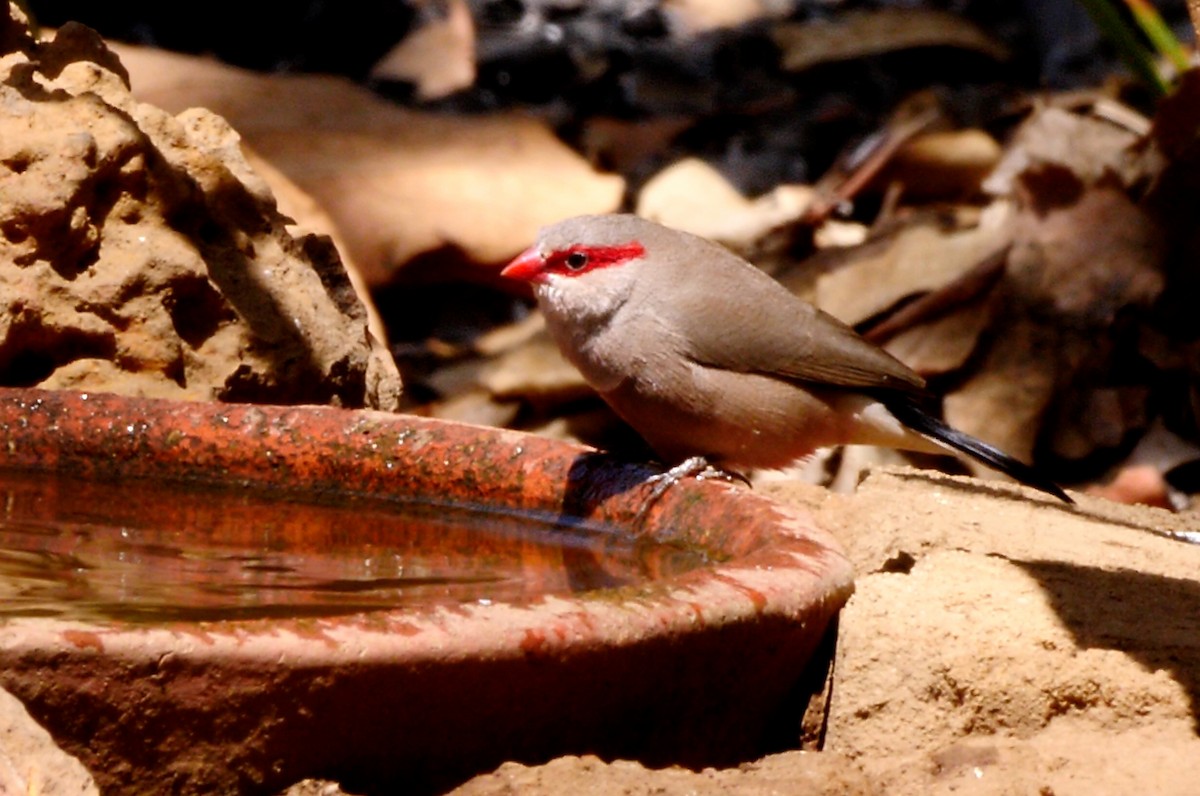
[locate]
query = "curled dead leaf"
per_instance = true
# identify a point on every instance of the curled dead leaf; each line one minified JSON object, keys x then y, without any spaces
{"x":855,"y":34}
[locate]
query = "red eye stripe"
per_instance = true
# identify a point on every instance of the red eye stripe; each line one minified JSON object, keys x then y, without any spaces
{"x":567,"y":261}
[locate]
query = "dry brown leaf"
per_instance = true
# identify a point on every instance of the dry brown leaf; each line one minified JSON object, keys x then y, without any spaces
{"x":944,"y":345}
{"x":478,"y":407}
{"x":1053,"y":138}
{"x":1004,"y":401}
{"x":943,"y":165}
{"x":835,"y":234}
{"x":855,"y":34}
{"x":950,"y":297}
{"x":1072,"y":269}
{"x":1099,"y":417}
{"x":438,"y":58}
{"x":1088,"y":259}
{"x":1083,"y":253}
{"x":505,"y":338}
{"x":908,"y":260}
{"x":535,"y":372}
{"x":398,"y":183}
{"x":692,"y":196}
{"x":698,"y":16}
{"x":451,"y":379}
{"x":622,"y":145}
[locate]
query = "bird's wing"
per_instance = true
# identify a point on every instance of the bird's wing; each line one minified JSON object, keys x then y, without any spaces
{"x":743,"y":320}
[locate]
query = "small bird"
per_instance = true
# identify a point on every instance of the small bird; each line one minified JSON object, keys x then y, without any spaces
{"x":715,"y":363}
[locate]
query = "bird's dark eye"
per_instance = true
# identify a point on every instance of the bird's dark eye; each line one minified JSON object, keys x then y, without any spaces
{"x":576,"y":260}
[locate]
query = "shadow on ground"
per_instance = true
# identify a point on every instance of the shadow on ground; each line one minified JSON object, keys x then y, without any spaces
{"x":1153,"y":618}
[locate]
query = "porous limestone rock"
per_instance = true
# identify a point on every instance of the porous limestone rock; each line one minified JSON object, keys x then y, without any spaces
{"x":140,"y":254}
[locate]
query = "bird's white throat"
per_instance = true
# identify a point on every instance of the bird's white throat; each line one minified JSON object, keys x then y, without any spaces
{"x":588,"y":301}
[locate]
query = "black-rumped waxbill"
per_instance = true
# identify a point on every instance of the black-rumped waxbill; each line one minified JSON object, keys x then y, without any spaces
{"x":714,"y":362}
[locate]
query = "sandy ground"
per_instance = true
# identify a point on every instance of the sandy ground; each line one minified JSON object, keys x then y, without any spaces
{"x":998,"y":643}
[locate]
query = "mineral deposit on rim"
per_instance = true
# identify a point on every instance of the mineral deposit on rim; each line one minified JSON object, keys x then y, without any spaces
{"x":140,"y":254}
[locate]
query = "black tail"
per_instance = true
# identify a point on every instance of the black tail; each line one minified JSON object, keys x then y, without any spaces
{"x":912,"y":415}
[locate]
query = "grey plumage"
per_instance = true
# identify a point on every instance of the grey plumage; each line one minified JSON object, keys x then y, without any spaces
{"x":705,"y":355}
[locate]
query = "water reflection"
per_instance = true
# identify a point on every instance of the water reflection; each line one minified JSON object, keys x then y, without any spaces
{"x":150,"y":551}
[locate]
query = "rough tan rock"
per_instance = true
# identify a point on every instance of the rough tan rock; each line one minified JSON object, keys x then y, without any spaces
{"x":139,"y":253}
{"x":309,"y":218}
{"x":999,"y":643}
{"x":793,"y":773}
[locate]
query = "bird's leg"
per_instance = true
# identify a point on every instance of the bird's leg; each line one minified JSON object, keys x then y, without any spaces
{"x":698,"y":466}
{"x":693,"y":465}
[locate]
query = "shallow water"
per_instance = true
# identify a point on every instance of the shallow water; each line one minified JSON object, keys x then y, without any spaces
{"x":154,"y":552}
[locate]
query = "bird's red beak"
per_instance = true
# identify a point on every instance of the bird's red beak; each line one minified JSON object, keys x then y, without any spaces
{"x":527,"y":266}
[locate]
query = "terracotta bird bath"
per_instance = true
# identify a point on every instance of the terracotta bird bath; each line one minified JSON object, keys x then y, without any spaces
{"x":200,"y":598}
